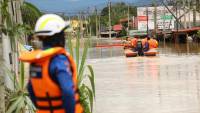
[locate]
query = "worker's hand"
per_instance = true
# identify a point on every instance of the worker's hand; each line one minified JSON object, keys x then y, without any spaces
{"x":28,"y":47}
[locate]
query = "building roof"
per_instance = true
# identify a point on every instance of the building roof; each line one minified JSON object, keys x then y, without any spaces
{"x":117,"y":27}
{"x":187,"y":30}
{"x":123,"y":20}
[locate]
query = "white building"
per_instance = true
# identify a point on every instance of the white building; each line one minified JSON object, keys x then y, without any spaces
{"x":165,"y":19}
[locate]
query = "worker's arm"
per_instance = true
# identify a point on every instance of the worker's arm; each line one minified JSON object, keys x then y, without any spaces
{"x":146,"y":47}
{"x":60,"y":71}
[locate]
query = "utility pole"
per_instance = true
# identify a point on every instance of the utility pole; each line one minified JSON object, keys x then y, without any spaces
{"x":147,"y":14}
{"x":81,"y":24}
{"x":189,"y":5}
{"x":185,"y":23}
{"x":128,"y":20}
{"x":164,"y":26}
{"x":177,"y":26}
{"x":96,"y":22}
{"x":155,"y":18}
{"x":99,"y":25}
{"x":86,"y":23}
{"x":88,"y":19}
{"x":197,"y":5}
{"x":109,"y":7}
{"x":194,"y":13}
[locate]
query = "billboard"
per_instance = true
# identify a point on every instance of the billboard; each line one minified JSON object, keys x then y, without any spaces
{"x":164,"y":18}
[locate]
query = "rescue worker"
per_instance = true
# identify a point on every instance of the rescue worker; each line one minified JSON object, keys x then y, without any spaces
{"x":153,"y":43}
{"x":139,"y":48}
{"x":53,"y":79}
{"x":131,"y":43}
{"x":145,"y":43}
{"x":127,"y":44}
{"x":149,"y":43}
{"x":134,"y":41}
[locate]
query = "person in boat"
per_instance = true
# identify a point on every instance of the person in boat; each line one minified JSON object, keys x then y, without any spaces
{"x":134,"y":42}
{"x":139,"y":48}
{"x":146,"y":44}
{"x":127,"y":43}
{"x":149,"y":43}
{"x":153,"y":43}
{"x":131,"y":43}
{"x":53,"y":80}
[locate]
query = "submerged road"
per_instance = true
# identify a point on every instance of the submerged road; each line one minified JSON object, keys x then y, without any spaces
{"x":167,"y":83}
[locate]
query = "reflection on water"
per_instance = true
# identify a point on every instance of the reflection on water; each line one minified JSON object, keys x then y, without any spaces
{"x":167,"y":83}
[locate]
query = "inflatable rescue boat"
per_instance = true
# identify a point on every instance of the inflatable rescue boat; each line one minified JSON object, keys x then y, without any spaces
{"x":131,"y":53}
{"x":151,"y":52}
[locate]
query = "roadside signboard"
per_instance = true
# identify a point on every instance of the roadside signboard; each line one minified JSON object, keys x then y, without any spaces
{"x":164,"y":19}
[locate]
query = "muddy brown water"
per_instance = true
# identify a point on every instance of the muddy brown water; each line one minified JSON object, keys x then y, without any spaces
{"x":167,"y":83}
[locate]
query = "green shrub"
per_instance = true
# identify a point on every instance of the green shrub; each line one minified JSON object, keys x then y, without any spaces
{"x":87,"y":94}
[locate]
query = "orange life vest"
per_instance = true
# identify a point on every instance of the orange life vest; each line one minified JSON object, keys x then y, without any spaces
{"x":134,"y":42}
{"x":152,"y":43}
{"x":144,"y":41}
{"x":47,"y":92}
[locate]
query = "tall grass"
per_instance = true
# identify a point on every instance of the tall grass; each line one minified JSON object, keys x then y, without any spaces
{"x":87,"y":92}
{"x":17,"y":100}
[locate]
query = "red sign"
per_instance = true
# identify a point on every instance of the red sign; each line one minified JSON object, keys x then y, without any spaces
{"x":117,"y":27}
{"x":142,"y":18}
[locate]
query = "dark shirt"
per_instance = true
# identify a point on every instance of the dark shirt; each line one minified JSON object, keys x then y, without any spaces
{"x":146,"y":47}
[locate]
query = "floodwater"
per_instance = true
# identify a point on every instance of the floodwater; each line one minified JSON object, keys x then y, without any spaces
{"x":166,"y":83}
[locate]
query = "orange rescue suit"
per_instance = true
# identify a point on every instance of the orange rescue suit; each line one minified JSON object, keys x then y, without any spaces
{"x":48,"y":94}
{"x":152,"y":43}
{"x":134,"y":42}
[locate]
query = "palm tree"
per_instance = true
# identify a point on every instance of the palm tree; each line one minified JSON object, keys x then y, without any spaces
{"x":30,"y":14}
{"x":13,"y":31}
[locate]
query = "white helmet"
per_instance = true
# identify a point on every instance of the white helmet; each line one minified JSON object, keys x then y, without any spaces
{"x":50,"y":24}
